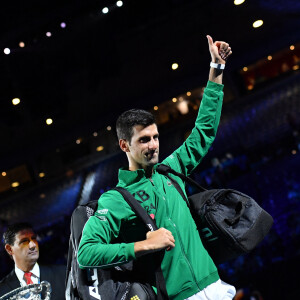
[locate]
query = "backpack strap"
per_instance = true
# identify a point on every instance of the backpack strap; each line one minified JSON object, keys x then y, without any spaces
{"x":165,"y":170}
{"x":151,"y":225}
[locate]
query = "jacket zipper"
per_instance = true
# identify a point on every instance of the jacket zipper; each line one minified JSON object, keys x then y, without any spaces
{"x":181,"y":246}
{"x":180,"y":240}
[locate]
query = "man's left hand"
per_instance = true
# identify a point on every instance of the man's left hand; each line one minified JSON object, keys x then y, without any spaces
{"x":219,"y":51}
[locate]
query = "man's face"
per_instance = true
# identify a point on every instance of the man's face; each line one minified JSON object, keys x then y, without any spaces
{"x":144,"y":146}
{"x":25,"y":250}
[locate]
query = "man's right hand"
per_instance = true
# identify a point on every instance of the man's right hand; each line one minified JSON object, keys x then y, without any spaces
{"x":155,"y":241}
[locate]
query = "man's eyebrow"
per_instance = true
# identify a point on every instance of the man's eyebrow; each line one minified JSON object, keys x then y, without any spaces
{"x":23,"y":240}
{"x":144,"y":137}
{"x":27,"y":238}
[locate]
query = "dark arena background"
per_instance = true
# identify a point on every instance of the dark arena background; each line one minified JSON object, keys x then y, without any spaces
{"x":69,"y":68}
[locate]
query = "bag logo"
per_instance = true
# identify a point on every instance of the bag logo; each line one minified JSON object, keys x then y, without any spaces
{"x":102,"y":211}
{"x":93,"y":290}
{"x":150,"y":227}
{"x":136,"y":297}
{"x":208,"y":235}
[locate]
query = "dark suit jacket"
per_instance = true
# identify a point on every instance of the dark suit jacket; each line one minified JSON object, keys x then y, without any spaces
{"x":54,"y":274}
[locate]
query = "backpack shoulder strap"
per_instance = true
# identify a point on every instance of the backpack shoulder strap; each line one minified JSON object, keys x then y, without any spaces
{"x":151,"y":225}
{"x":165,"y":170}
{"x":137,"y":208}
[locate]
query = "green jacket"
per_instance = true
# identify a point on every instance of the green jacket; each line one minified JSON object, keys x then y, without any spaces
{"x":187,"y":268}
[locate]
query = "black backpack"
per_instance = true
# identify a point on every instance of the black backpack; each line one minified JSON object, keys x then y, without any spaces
{"x":229,"y":222}
{"x":116,"y":283}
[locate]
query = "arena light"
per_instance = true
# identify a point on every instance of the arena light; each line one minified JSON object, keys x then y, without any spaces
{"x":105,"y":10}
{"x":21,"y":44}
{"x":6,"y":51}
{"x":174,"y":99}
{"x":108,"y":128}
{"x":292,"y":47}
{"x":15,"y":184}
{"x":245,"y":69}
{"x":78,"y":141}
{"x":49,"y":121}
{"x":155,"y":107}
{"x":48,"y":33}
{"x":95,"y":134}
{"x":188,"y":94}
{"x":63,"y":25}
{"x":258,"y":23}
{"x":183,"y":107}
{"x":238,"y":2}
{"x":42,"y":174}
{"x":119,"y":3}
{"x":3,"y":174}
{"x":16,"y":101}
{"x":175,"y":66}
{"x":99,"y":148}
{"x":270,"y":57}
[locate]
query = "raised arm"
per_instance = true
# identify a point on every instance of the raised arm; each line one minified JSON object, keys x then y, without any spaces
{"x":188,"y":156}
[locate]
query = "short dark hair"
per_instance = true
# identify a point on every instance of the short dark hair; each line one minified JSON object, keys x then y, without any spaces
{"x":9,"y":236}
{"x":128,"y":119}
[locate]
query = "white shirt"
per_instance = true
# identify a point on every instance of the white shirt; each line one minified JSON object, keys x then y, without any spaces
{"x":35,"y":277}
{"x":218,"y":290}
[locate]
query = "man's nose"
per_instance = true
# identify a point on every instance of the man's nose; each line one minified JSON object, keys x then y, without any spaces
{"x":32,"y":244}
{"x":152,"y":144}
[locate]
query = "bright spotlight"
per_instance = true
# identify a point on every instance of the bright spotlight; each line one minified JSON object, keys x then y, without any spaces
{"x":16,"y":101}
{"x":119,"y":3}
{"x":105,"y":10}
{"x":48,"y":34}
{"x":49,"y":121}
{"x":6,"y":51}
{"x":258,"y":23}
{"x":174,"y":66}
{"x":63,"y":25}
{"x":238,"y":2}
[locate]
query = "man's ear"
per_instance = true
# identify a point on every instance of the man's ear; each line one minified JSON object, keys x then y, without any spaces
{"x":8,"y":249}
{"x":124,"y":145}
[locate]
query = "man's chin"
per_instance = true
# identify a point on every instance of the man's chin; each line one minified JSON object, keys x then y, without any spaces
{"x":153,"y":161}
{"x":33,"y":256}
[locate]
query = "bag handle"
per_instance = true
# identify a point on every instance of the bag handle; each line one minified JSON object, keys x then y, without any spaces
{"x":164,"y":169}
{"x":240,"y":209}
{"x":151,"y":225}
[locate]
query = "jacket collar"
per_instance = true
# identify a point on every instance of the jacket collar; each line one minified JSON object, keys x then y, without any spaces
{"x":127,"y":177}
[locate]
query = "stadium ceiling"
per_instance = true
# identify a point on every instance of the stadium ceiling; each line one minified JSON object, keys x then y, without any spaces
{"x":82,"y":67}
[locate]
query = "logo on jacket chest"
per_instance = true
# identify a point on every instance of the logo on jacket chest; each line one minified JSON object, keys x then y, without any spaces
{"x":142,"y":196}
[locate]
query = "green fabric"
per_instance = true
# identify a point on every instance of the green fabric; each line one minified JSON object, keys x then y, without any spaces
{"x":187,"y":268}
